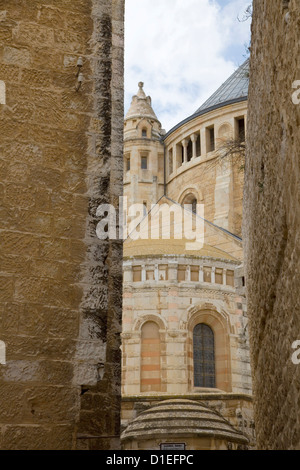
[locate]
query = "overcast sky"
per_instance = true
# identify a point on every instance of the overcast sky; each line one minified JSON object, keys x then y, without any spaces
{"x":183,"y":50}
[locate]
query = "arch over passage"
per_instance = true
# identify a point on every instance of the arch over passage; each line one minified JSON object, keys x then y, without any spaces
{"x":204,"y":356}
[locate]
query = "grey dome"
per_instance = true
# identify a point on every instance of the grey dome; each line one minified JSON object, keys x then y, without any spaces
{"x":234,"y":89}
{"x":179,"y":418}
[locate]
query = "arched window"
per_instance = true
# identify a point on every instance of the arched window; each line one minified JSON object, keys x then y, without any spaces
{"x":144,"y":132}
{"x":204,"y":356}
{"x":191,"y":199}
{"x":150,"y":358}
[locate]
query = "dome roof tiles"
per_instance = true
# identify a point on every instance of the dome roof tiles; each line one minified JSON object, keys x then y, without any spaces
{"x":181,"y":417}
{"x":233,"y":89}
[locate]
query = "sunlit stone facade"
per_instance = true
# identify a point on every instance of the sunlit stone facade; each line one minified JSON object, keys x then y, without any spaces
{"x":184,"y":310}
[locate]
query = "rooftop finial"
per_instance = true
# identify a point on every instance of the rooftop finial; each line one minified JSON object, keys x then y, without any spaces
{"x":141,"y":93}
{"x":141,"y":105}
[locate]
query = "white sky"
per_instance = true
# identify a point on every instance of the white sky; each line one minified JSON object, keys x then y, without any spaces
{"x":183,"y":50}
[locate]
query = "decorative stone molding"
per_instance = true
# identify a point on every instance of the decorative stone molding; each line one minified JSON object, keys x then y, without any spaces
{"x":177,"y":333}
{"x":149,"y":317}
{"x":192,"y":189}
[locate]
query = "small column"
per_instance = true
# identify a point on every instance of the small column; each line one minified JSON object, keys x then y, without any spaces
{"x":143,"y":273}
{"x":224,"y":276}
{"x":188,"y":274}
{"x":201,"y":274}
{"x":184,"y":144}
{"x":213,"y":275}
{"x":156,"y":273}
{"x":172,"y":271}
{"x":194,"y":140}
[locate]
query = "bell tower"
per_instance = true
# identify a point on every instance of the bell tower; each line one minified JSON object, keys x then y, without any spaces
{"x":143,"y":152}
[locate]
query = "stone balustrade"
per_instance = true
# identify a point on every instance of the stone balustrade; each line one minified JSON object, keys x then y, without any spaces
{"x":161,"y":271}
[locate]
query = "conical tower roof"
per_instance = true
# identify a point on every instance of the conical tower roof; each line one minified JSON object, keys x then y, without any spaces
{"x":141,"y":106}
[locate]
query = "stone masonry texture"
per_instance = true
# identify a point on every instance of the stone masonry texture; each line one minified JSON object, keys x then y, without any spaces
{"x":60,"y":286}
{"x":272,"y":221}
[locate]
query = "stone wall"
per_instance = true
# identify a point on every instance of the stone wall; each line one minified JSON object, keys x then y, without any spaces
{"x":176,"y":307}
{"x":60,"y":287}
{"x":272,"y":221}
{"x":218,"y":186}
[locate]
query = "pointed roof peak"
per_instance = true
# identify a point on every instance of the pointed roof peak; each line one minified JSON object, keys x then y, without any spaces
{"x":141,"y":105}
{"x":141,"y":93}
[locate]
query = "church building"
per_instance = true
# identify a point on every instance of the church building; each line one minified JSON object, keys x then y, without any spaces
{"x":186,"y":379}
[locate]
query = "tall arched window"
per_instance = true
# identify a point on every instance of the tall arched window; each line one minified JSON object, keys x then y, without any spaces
{"x":204,"y":356}
{"x":150,"y":358}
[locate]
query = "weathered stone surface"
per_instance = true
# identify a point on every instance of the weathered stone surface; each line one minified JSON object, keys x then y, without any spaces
{"x":272,"y":221}
{"x":55,"y":277}
{"x":169,"y":289}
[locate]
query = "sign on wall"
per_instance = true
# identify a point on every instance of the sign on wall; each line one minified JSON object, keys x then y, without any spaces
{"x":172,"y":446}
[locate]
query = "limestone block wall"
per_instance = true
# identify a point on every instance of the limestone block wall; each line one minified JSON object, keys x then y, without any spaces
{"x":60,"y":287}
{"x":157,"y":293}
{"x":272,"y":221}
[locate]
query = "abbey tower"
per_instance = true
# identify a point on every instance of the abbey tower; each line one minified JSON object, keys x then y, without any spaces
{"x":143,"y":153}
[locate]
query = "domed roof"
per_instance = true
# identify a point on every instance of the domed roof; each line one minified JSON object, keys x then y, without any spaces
{"x":141,"y":106}
{"x":181,"y":418}
{"x":234,"y":89}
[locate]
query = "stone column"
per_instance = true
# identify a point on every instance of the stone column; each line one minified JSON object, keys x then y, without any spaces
{"x":201,"y":274}
{"x":184,"y":144}
{"x":156,"y":272}
{"x":188,"y":274}
{"x":172,"y":271}
{"x":224,"y":276}
{"x":143,"y":273}
{"x":213,"y":275}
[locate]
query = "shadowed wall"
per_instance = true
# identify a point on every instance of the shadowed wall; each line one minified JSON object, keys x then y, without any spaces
{"x":60,"y":286}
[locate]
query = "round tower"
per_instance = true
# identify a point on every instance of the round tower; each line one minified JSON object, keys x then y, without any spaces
{"x":143,"y":152}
